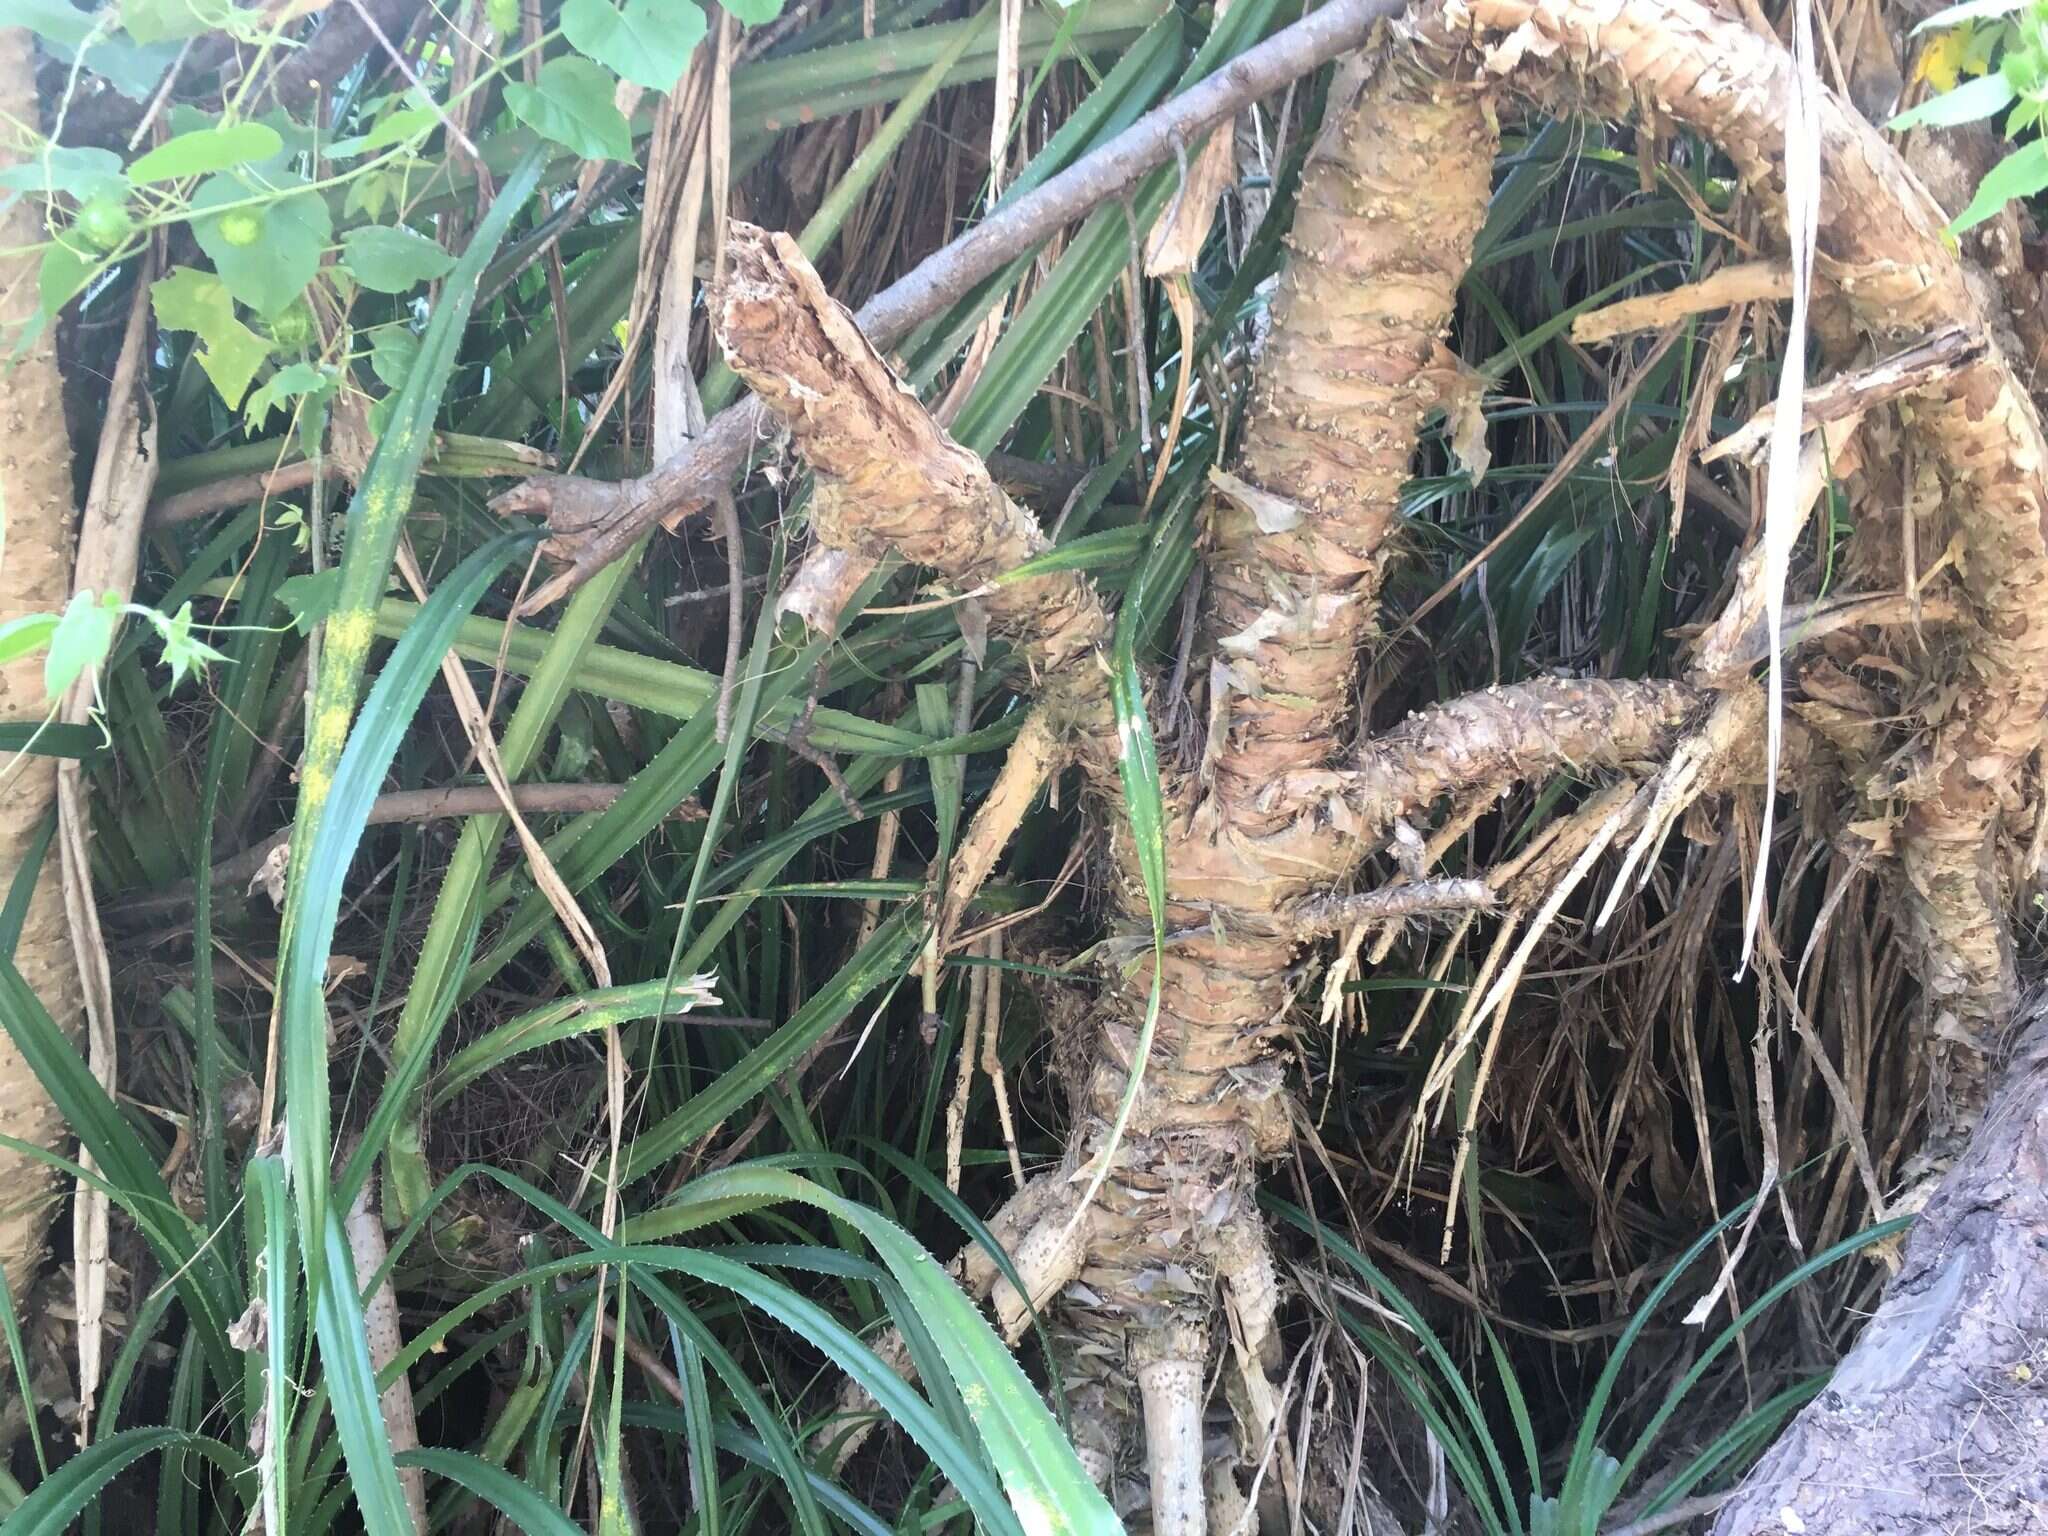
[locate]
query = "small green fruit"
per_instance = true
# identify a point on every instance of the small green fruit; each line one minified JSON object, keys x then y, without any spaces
{"x":241,"y":226}
{"x":105,"y":224}
{"x":293,"y":329}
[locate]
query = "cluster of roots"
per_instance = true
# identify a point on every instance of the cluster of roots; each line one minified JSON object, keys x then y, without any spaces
{"x":1163,"y":1282}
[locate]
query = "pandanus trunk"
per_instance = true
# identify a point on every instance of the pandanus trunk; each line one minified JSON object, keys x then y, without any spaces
{"x":35,"y":576}
{"x":1390,"y":203}
{"x":1934,"y":1420}
{"x":1297,"y":539}
{"x":1393,"y":196}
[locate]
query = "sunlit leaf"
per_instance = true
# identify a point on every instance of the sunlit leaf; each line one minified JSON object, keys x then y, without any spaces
{"x":571,"y":104}
{"x":645,"y":41}
{"x":132,"y":67}
{"x":265,"y":247}
{"x":83,"y":637}
{"x":188,"y":299}
{"x":217,"y":148}
{"x":392,"y":128}
{"x":2020,"y":174}
{"x":1967,"y":103}
{"x":155,"y":21}
{"x":26,"y":635}
{"x":1970,"y":10}
{"x":81,"y":171}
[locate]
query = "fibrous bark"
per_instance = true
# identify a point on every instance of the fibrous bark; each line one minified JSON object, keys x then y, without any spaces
{"x":1881,"y":245}
{"x":1355,"y":337}
{"x":888,"y":477}
{"x":35,"y":576}
{"x":1299,"y":538}
{"x":1896,"y":1445}
{"x":596,"y":522}
{"x":1392,"y":197}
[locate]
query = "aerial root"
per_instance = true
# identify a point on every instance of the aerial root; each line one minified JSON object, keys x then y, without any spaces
{"x":1170,"y":1361}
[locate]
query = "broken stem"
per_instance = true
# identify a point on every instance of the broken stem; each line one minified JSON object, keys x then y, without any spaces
{"x":604,"y":520}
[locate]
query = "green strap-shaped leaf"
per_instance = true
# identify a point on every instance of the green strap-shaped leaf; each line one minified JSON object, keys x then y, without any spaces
{"x":376,"y":516}
{"x":382,"y":500}
{"x":498,"y":1488}
{"x":1046,"y":1484}
{"x":358,"y":776}
{"x":60,"y":1498}
{"x":878,"y":963}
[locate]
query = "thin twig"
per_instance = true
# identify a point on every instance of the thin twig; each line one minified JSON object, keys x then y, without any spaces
{"x":419,"y":91}
{"x":399,"y":806}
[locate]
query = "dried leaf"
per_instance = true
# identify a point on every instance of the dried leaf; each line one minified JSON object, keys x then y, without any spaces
{"x":1176,"y":240}
{"x":1273,"y":514}
{"x":269,"y":876}
{"x":819,"y":590}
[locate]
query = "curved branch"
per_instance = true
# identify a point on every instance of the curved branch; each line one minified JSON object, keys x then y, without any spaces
{"x":1881,"y":243}
{"x":1510,"y":735}
{"x":1389,"y":207}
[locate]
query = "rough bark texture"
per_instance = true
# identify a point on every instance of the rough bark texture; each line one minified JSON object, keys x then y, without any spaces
{"x":1390,"y":203}
{"x":887,"y":477}
{"x":1938,"y":1420}
{"x":35,"y":576}
{"x":1881,"y":245}
{"x":1355,"y":335}
{"x":1299,"y":537}
{"x":597,"y":522}
{"x":1920,"y":1432}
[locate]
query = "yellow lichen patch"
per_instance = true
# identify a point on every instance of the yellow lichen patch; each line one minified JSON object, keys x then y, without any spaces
{"x":349,"y":634}
{"x":314,"y":788}
{"x":330,"y":731}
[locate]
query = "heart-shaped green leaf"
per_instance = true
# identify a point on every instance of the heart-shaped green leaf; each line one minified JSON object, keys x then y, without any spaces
{"x":645,"y":41}
{"x":572,"y":105}
{"x":217,"y":148}
{"x":265,"y":247}
{"x":387,"y":259}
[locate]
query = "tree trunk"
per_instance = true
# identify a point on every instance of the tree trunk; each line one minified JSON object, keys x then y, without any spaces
{"x":1299,"y":548}
{"x":1393,"y":195}
{"x":35,"y":576}
{"x":1938,"y":1418}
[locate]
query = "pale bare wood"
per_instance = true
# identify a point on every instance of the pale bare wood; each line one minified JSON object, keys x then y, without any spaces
{"x":1924,"y":366}
{"x":109,"y":548}
{"x":368,"y":1256}
{"x":1748,"y":282}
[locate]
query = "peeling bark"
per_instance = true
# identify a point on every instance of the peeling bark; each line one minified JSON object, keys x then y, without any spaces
{"x":35,"y":576}
{"x":1881,"y":245}
{"x":598,"y":521}
{"x":888,"y":477}
{"x":1299,"y":539}
{"x":1390,"y":202}
{"x":1355,"y":335}
{"x":1935,"y":1420}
